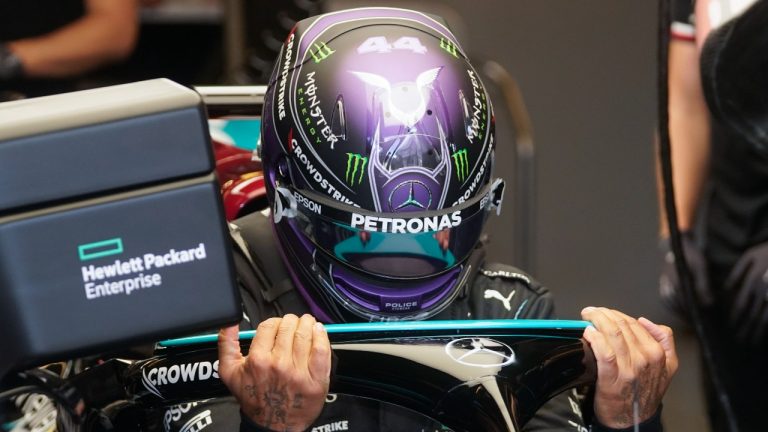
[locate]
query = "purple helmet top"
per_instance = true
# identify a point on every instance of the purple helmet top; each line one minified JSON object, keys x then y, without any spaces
{"x":385,"y":110}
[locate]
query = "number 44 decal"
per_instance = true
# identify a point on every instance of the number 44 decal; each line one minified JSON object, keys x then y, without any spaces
{"x":379,"y":44}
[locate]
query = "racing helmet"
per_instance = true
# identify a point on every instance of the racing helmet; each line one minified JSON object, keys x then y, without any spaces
{"x":377,"y":145}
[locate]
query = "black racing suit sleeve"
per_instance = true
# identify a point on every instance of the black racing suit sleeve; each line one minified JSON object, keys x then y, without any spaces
{"x":650,"y":425}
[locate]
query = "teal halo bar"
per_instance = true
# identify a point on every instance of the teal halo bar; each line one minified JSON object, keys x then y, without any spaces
{"x":483,"y":325}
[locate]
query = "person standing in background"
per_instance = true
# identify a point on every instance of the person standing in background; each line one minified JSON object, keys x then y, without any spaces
{"x":721,"y":196}
{"x":46,"y":44}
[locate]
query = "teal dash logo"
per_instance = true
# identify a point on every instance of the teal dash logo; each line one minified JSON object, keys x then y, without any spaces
{"x":100,"y":249}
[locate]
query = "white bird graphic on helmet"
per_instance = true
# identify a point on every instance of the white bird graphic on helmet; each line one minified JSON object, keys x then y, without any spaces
{"x":407,"y":100}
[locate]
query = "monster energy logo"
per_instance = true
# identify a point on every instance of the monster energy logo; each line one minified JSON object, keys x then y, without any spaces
{"x":449,"y":47}
{"x":321,"y":52}
{"x":462,"y":164}
{"x":354,"y":161}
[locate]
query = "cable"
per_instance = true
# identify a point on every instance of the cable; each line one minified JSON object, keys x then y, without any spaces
{"x":636,"y":407}
{"x":19,"y":391}
{"x":686,"y":279}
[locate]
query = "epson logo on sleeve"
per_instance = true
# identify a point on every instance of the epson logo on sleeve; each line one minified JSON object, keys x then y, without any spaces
{"x":175,"y":412}
{"x":405,"y":226}
{"x":197,"y":423}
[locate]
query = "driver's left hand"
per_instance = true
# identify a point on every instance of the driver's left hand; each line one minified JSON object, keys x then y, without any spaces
{"x":283,"y":381}
{"x":636,"y":360}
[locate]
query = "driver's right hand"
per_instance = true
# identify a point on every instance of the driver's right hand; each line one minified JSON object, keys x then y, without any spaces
{"x":283,"y":381}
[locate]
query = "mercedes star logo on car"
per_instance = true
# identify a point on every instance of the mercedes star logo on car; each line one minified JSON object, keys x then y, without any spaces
{"x":480,"y":352}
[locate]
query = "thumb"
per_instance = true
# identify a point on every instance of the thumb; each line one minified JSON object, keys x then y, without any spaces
{"x":229,"y":350}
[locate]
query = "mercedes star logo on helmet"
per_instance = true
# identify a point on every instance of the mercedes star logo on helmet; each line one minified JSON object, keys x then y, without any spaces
{"x":480,"y":352}
{"x":418,"y":196}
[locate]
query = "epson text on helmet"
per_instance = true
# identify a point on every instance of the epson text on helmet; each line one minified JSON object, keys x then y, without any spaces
{"x":317,"y":176}
{"x":308,"y":204}
{"x":284,"y":78}
{"x":405,"y":226}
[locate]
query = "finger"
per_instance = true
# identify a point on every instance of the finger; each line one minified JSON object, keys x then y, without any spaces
{"x":741,"y":297}
{"x":746,"y":325}
{"x":284,"y":339}
{"x":264,"y":339}
{"x":653,"y":354}
{"x":641,"y":334}
{"x":665,"y":337}
{"x":701,"y":287}
{"x":745,"y":307}
{"x":759,"y":334}
{"x":607,"y":367}
{"x":229,"y":350}
{"x":740,"y":307}
{"x":640,"y":356}
{"x":737,"y":274}
{"x":753,"y":309}
{"x":320,"y":357}
{"x":624,"y":322}
{"x":613,"y":333}
{"x":302,"y":341}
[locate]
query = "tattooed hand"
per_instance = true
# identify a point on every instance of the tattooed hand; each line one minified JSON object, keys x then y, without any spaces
{"x":635,"y":363}
{"x":282,"y":383}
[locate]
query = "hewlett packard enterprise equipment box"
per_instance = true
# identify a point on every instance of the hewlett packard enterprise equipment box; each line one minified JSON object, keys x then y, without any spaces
{"x":111,"y":227}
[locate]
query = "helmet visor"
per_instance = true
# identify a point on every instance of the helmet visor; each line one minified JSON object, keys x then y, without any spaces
{"x":396,"y":245}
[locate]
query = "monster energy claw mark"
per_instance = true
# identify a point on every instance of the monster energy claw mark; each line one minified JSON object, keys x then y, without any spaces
{"x":321,"y":52}
{"x":449,"y":47}
{"x":355,"y":160}
{"x":461,"y":163}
